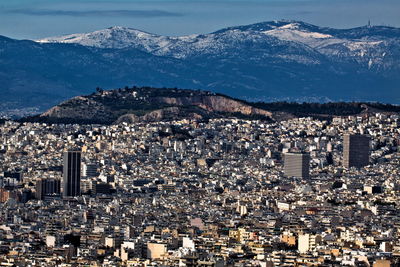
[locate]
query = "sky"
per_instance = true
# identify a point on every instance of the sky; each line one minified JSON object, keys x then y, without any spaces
{"x":35,"y":19}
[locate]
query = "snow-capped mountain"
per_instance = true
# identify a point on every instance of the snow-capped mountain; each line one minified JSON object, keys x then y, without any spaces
{"x":113,"y":37}
{"x":177,"y":47}
{"x":366,"y":45}
{"x":278,"y":60}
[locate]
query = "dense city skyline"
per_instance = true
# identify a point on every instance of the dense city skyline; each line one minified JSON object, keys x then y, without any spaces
{"x":211,"y":193}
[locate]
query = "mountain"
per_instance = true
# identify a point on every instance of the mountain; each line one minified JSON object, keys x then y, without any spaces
{"x":369,"y":46}
{"x":278,"y":60}
{"x":360,"y":43}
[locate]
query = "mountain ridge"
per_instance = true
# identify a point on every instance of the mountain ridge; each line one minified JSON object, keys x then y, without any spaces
{"x":285,"y":30}
{"x":129,"y":37}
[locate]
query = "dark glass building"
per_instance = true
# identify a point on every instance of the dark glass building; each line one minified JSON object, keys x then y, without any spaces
{"x":355,"y":150}
{"x":297,"y":165}
{"x":47,"y":188}
{"x":72,"y":174}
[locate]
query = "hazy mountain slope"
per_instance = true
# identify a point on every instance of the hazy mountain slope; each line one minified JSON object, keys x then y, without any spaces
{"x":35,"y":74}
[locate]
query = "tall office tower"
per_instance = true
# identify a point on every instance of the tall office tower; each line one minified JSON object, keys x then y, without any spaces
{"x":47,"y":188}
{"x":297,"y":165}
{"x":72,"y":174}
{"x":355,"y":150}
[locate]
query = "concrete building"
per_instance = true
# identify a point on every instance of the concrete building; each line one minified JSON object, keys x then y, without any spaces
{"x":355,"y":150}
{"x":156,"y":250}
{"x":308,"y":242}
{"x":297,"y":165}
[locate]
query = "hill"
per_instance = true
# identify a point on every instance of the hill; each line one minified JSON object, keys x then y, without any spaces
{"x":148,"y":104}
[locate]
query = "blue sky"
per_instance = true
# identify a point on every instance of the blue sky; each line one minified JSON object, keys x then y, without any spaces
{"x":31,"y":19}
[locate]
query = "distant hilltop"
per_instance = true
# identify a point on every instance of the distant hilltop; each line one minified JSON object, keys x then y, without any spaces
{"x":148,"y":104}
{"x":267,"y":61}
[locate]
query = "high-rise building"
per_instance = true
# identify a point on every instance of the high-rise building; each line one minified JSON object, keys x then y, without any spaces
{"x":72,"y":174}
{"x":297,"y":165}
{"x":47,"y":188}
{"x":355,"y":150}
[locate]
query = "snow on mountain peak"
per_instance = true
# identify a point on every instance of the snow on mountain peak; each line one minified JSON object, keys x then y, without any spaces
{"x":326,"y":41}
{"x":290,"y":26}
{"x":293,"y":32}
{"x":113,"y":37}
